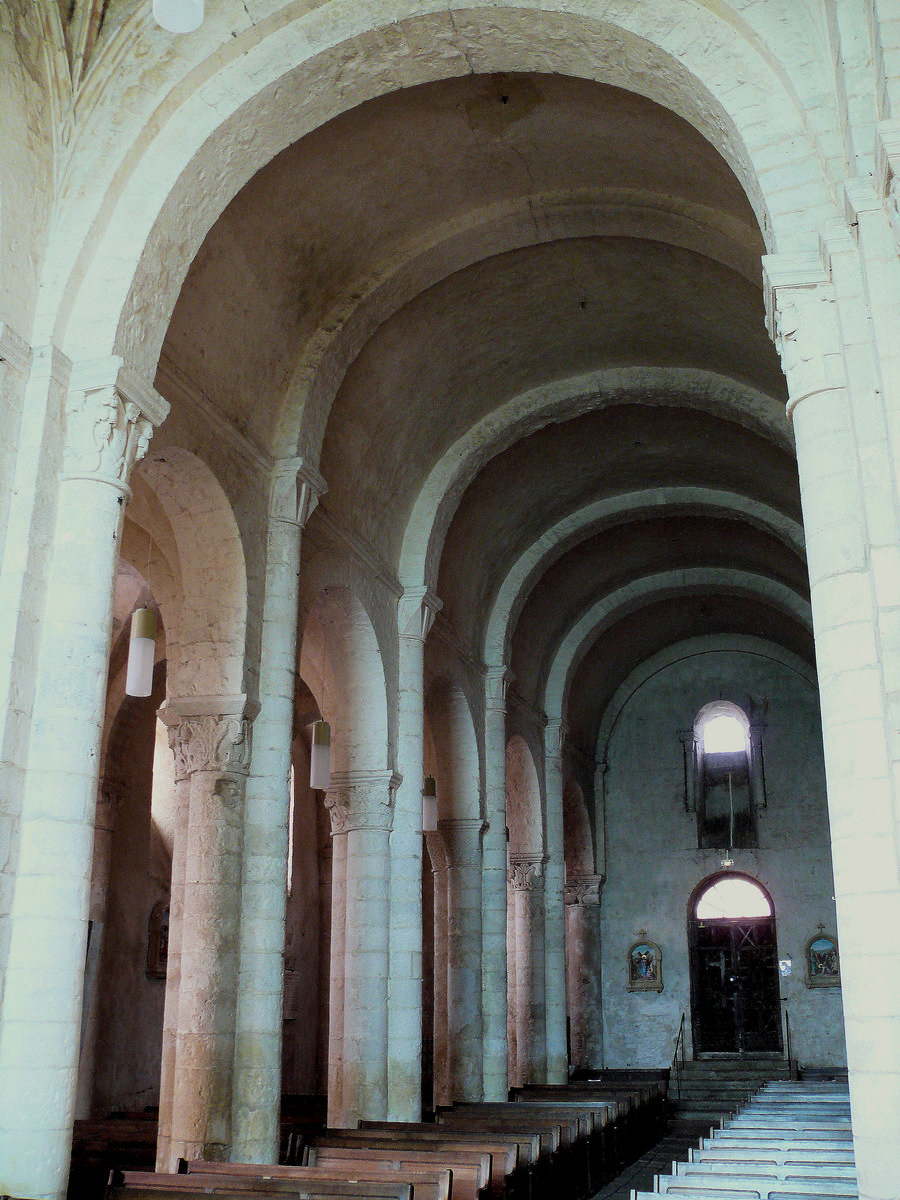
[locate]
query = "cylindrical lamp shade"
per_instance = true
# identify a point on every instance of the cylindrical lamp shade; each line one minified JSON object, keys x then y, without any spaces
{"x":178,"y":16}
{"x":320,"y":756}
{"x":141,"y":653}
{"x":429,"y":806}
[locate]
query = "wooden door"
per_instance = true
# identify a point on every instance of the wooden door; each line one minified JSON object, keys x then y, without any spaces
{"x":735,"y":986}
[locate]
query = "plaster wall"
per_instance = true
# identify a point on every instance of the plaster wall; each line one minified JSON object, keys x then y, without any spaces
{"x":654,"y":863}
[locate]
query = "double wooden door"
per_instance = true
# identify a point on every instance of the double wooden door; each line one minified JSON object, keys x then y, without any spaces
{"x":735,"y":986}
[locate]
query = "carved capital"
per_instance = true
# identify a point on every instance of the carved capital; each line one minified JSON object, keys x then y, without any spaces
{"x":296,"y":489}
{"x":463,"y":841}
{"x":357,"y":800}
{"x":109,"y":418}
{"x":584,"y":891}
{"x":887,"y":173}
{"x":204,"y":740}
{"x":416,"y":610}
{"x":525,"y":870}
{"x":437,"y":852}
{"x":802,"y":319}
{"x":496,"y":684}
{"x":555,"y":734}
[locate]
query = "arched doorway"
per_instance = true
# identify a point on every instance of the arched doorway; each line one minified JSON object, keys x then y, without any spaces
{"x":735,"y":999}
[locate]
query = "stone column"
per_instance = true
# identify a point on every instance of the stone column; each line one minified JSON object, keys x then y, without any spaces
{"x":109,"y":804}
{"x":216,"y":749}
{"x":464,"y":956}
{"x":526,"y":880}
{"x":493,"y":846}
{"x":555,"y":908}
{"x":337,"y":967}
{"x":583,"y":979}
{"x":417,"y":610}
{"x":843,"y":423}
{"x":440,"y":866}
{"x":109,"y":416}
{"x":164,"y":1159}
{"x":257,"y":1063}
{"x":362,"y":808}
{"x":324,"y":974}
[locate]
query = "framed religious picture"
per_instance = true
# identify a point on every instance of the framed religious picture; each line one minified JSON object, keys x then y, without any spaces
{"x":645,"y":967}
{"x":823,"y":965}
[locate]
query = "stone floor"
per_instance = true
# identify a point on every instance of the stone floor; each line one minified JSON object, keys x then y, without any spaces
{"x":682,"y":1136}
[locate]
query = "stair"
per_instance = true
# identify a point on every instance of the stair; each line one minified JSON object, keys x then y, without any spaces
{"x":715,"y":1087}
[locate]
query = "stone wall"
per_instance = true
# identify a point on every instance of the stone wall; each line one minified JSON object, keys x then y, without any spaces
{"x":654,"y":863}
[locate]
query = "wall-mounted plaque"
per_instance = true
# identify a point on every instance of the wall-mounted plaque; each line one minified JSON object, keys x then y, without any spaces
{"x":823,"y":964}
{"x":645,"y":967}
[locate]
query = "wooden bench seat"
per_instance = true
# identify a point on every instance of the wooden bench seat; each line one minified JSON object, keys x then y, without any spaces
{"x":768,"y":1134}
{"x":710,"y":1150}
{"x":149,"y":1185}
{"x":756,"y":1187}
{"x":503,"y":1155}
{"x":568,"y":1130}
{"x":526,"y":1145}
{"x":813,"y":1171}
{"x":431,"y":1183}
{"x":471,"y":1168}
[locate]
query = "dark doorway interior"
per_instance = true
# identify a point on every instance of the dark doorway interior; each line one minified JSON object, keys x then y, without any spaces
{"x":735,"y":994}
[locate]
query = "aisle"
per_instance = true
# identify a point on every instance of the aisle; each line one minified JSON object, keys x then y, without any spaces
{"x":682,"y":1136}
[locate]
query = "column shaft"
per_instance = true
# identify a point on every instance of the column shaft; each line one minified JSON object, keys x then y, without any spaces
{"x":416,"y":613}
{"x":216,"y":748}
{"x":464,"y":956}
{"x":443,"y":1086}
{"x":361,"y":807}
{"x":555,"y":910}
{"x":41,"y":1014}
{"x":848,"y":490}
{"x":164,"y":1159}
{"x":258,"y":1032}
{"x":493,"y":846}
{"x":583,"y":980}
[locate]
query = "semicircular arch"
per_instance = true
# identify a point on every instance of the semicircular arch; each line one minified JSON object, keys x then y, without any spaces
{"x":691,"y":648}
{"x":585,"y":628}
{"x":222,"y":117}
{"x":586,"y":521}
{"x":559,"y":401}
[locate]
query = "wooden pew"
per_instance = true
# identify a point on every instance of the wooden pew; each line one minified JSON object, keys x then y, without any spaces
{"x":524,"y":1146}
{"x":502,"y":1155}
{"x":755,"y":1187}
{"x":433,"y":1183}
{"x":148,"y":1185}
{"x":609,"y":1134}
{"x":565,"y":1163}
{"x":809,"y":1171}
{"x":785,"y":1151}
{"x":471,"y":1168}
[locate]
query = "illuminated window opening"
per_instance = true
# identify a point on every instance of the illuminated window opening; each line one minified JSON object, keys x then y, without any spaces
{"x":731,"y":898}
{"x":724,"y":734}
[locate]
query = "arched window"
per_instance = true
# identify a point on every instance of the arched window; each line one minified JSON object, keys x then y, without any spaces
{"x":724,"y":783}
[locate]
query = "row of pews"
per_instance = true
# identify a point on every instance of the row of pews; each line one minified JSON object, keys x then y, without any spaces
{"x":545,"y":1143}
{"x":790,"y":1142}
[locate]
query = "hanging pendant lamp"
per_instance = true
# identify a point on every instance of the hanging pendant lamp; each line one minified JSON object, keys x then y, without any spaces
{"x":141,"y":653}
{"x":320,"y":757}
{"x":429,"y":805}
{"x":178,"y":16}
